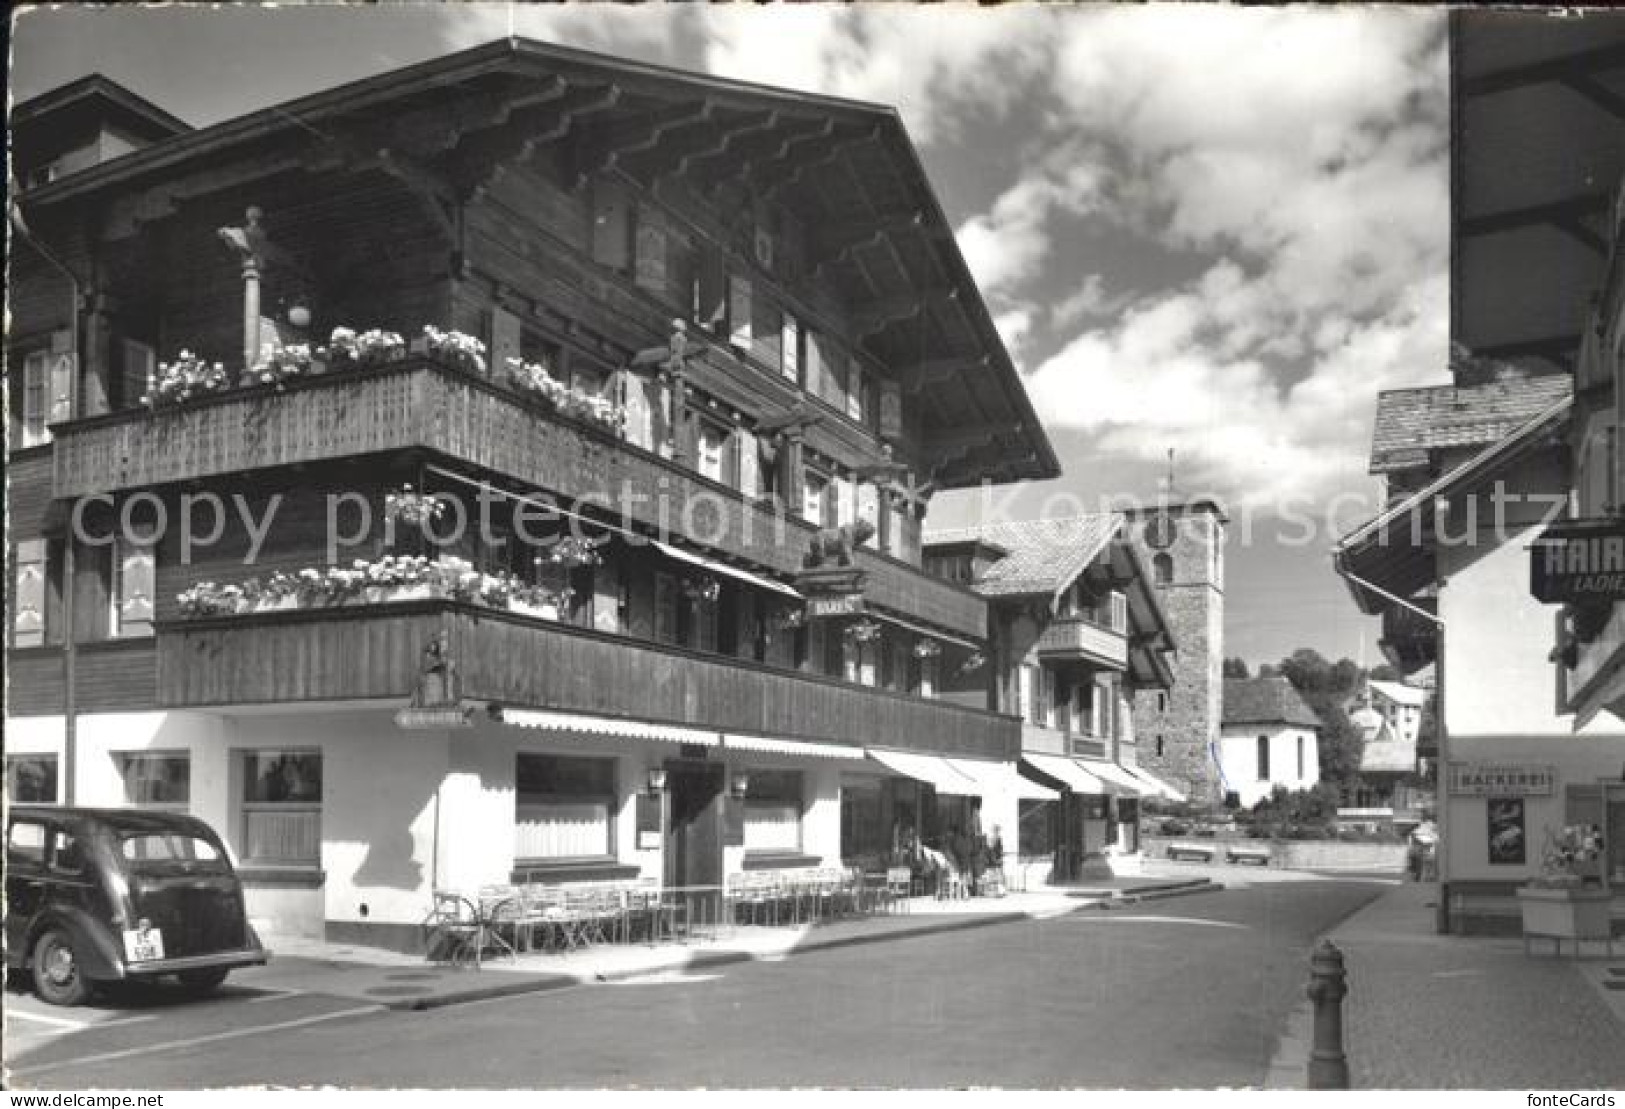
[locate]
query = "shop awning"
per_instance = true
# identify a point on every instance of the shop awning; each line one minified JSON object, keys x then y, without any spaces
{"x":931,"y":769}
{"x":1065,"y":770}
{"x":715,"y":567}
{"x":804,"y":748}
{"x":1002,"y":778}
{"x":920,"y":629}
{"x":1157,"y":785}
{"x":607,"y":725}
{"x":1115,"y":776}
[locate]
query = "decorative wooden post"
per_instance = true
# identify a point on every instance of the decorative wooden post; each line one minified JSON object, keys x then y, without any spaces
{"x":671,"y":362}
{"x":248,"y":242}
{"x":1328,"y":985}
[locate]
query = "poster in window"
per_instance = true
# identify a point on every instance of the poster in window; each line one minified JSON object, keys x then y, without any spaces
{"x":648,"y":814}
{"x":1506,"y":830}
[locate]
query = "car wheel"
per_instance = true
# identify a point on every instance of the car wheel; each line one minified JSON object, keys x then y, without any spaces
{"x":57,"y":977}
{"x":203,"y":980}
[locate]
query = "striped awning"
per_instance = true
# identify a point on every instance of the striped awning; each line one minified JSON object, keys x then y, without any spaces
{"x":931,"y":769}
{"x":1002,"y":778}
{"x":1067,"y":771}
{"x":1113,"y":775}
{"x":804,"y":747}
{"x":1157,"y":785}
{"x":609,"y":726}
{"x":758,"y":580}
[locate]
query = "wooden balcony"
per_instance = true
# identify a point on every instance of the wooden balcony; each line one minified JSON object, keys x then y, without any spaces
{"x":419,"y":404}
{"x":1074,"y":638}
{"x":373,"y":652}
{"x":1053,"y":741}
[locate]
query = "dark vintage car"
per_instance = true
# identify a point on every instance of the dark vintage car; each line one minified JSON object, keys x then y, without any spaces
{"x":110,"y":895}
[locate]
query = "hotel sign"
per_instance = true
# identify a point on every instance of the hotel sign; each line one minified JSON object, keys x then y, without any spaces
{"x":834,"y":604}
{"x":1579,"y":561}
{"x":1496,"y":779}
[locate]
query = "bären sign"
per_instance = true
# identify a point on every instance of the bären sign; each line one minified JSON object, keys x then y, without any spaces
{"x":1578,"y":561}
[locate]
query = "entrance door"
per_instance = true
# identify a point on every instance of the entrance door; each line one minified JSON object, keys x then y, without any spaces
{"x":694,"y":829}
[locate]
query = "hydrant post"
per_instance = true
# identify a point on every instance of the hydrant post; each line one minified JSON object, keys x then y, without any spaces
{"x":1328,"y":985}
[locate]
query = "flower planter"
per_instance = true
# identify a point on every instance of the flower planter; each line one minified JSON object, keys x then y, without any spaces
{"x":1566,"y":913}
{"x":422,"y":591}
{"x":540,"y":612}
{"x":276,"y":604}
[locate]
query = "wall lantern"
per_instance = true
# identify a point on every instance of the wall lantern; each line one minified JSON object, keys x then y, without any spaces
{"x":657,"y":780}
{"x":741,"y":783}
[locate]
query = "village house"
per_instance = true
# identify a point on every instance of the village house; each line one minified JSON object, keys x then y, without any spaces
{"x":507,"y":468}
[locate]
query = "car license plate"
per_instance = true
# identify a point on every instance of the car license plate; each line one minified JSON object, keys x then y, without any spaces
{"x":143,"y":946}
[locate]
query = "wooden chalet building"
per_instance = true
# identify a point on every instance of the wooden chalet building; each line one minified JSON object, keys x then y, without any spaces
{"x":1075,"y":630}
{"x":663,"y":646}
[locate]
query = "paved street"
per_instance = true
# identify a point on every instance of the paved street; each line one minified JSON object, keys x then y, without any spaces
{"x":1186,"y":993}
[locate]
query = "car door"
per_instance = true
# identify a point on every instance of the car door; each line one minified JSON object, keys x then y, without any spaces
{"x":26,"y":839}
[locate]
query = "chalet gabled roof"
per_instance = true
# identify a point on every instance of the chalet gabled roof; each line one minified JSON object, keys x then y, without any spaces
{"x":1045,"y":556}
{"x":1270,"y":700}
{"x":844,"y":169}
{"x":1413,"y":422}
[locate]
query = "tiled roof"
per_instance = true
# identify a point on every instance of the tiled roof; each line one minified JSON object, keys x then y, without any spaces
{"x":1269,"y":700}
{"x":1412,"y":422}
{"x":1045,"y":555}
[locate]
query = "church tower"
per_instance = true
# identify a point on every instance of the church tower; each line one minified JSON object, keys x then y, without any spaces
{"x":1177,"y":731}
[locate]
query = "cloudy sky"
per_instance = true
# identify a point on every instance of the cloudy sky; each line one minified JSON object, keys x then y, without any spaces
{"x":1213,"y":230}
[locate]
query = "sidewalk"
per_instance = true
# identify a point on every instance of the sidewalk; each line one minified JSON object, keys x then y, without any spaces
{"x":401,"y":981}
{"x":1430,"y":1011}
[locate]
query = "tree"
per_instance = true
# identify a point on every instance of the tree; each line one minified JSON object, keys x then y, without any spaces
{"x":1326,"y":687}
{"x":1236,"y":668}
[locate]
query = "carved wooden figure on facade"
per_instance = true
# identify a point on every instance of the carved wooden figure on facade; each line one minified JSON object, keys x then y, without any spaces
{"x":437,"y":684}
{"x":838,"y":543}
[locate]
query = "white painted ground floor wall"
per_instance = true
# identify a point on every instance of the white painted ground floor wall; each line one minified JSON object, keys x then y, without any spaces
{"x":407,"y":812}
{"x":1238,"y":759}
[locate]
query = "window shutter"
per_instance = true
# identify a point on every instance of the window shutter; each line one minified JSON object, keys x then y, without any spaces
{"x":711,"y":292}
{"x":814,"y":382}
{"x":28,"y":619}
{"x":869,"y":509}
{"x":611,"y":227}
{"x":854,"y":392}
{"x":137,"y":584}
{"x":36,"y":405}
{"x":891,"y":410}
{"x":651,"y":254}
{"x":504,"y":338}
{"x":739,"y":307}
{"x":750,"y":461}
{"x":792,"y":355}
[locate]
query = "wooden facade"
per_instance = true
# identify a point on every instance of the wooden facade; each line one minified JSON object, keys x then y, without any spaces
{"x":373,"y":652}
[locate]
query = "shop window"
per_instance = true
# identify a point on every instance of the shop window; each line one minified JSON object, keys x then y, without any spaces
{"x":773,"y":812}
{"x":156,"y":779}
{"x":1037,"y":820}
{"x":282,"y":808}
{"x":863,"y":832}
{"x":1263,"y":758}
{"x":564,"y":807}
{"x":32,"y":779}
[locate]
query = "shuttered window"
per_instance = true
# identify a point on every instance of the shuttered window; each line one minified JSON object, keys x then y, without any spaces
{"x":35,"y":409}
{"x":650,"y":269}
{"x":28,"y":616}
{"x":739,"y":312}
{"x":134,"y":584}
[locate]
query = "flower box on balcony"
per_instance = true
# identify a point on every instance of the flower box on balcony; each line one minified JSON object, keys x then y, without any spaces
{"x":525,"y":608}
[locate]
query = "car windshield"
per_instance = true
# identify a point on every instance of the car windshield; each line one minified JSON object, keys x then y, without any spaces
{"x":160,"y":848}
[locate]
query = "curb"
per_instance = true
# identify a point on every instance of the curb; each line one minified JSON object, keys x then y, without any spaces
{"x":702,"y":961}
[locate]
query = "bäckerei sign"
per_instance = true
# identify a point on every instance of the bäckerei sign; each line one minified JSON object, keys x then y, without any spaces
{"x":1500,"y":779}
{"x":1578,"y":561}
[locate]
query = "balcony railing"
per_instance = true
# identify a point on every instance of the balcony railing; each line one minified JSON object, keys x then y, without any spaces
{"x":373,"y":652}
{"x":1054,"y":741}
{"x":420,"y":404}
{"x":1075,"y":637}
